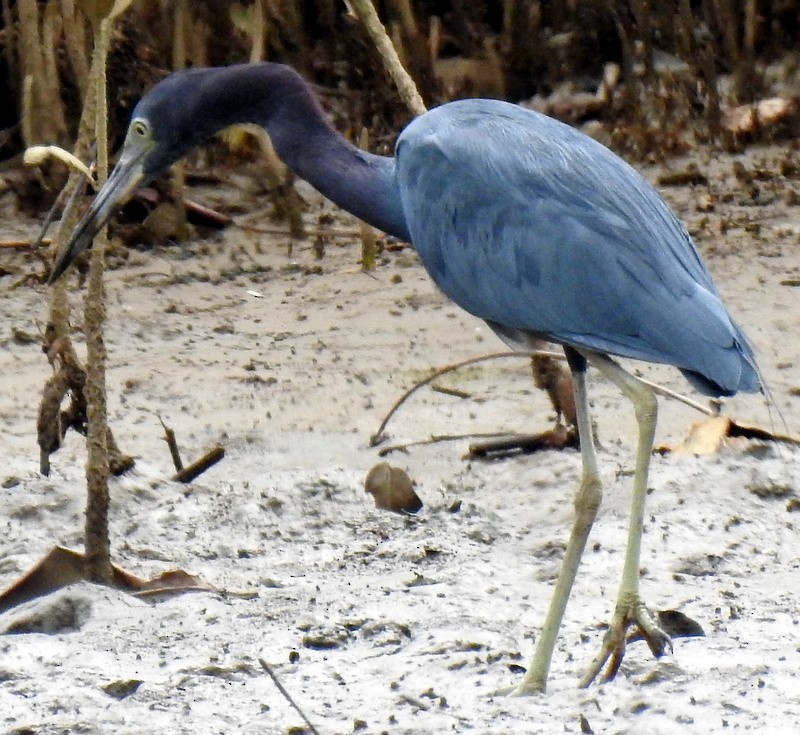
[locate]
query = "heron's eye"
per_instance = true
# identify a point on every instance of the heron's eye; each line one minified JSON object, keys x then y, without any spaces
{"x":141,"y":128}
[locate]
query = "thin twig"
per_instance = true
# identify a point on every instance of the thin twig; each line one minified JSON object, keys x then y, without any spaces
{"x":438,"y":438}
{"x":455,"y":392}
{"x":282,"y":690}
{"x":667,"y":393}
{"x":23,"y":244}
{"x":379,"y":436}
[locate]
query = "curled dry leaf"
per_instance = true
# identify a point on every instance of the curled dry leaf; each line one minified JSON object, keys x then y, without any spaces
{"x":549,"y":375}
{"x":705,"y":437}
{"x":711,"y":435}
{"x":392,"y":489}
{"x":763,"y":114}
{"x":36,"y":155}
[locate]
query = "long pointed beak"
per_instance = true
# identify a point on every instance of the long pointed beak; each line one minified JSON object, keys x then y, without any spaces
{"x":124,"y":179}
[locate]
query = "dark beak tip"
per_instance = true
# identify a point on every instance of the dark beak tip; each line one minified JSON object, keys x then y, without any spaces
{"x":124,"y":178}
{"x":63,"y":261}
{"x":55,"y":275}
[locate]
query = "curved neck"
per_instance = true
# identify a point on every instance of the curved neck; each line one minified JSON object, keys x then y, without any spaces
{"x":359,"y":182}
{"x":277,"y":98}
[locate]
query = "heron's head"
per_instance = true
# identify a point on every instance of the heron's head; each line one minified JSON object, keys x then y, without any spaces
{"x":178,"y":114}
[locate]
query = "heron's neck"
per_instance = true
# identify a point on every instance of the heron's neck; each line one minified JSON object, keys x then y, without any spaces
{"x":359,"y":182}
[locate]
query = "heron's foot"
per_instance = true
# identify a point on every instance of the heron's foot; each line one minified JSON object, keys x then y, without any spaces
{"x":632,"y":620}
{"x":527,"y":688}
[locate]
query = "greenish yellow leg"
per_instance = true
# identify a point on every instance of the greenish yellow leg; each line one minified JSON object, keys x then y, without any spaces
{"x":587,"y":501}
{"x":630,"y":610}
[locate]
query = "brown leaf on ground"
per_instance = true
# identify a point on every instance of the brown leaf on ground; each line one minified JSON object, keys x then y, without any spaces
{"x":392,"y":489}
{"x":711,"y":435}
{"x":62,"y":567}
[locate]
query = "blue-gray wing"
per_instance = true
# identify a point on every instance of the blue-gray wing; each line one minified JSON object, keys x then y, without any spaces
{"x":527,"y":223}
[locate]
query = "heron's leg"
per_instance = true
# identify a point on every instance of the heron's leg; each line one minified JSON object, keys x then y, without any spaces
{"x":630,"y":610}
{"x":587,"y":501}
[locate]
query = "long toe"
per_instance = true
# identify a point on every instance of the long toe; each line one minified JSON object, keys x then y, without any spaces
{"x":648,"y":627}
{"x":630,"y":622}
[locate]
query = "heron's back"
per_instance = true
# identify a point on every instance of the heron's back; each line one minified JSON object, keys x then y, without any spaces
{"x":533,"y":226}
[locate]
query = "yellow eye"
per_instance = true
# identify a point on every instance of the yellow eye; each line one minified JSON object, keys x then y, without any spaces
{"x":140,"y":128}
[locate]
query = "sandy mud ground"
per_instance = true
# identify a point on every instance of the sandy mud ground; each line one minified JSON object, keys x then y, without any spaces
{"x":375,"y":622}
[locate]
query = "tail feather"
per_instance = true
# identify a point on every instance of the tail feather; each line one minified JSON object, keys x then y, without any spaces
{"x":747,"y":377}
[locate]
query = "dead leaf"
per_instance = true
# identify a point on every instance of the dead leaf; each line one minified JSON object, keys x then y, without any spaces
{"x":175,"y":580}
{"x":709,"y":436}
{"x":549,"y":375}
{"x":705,"y":437}
{"x":763,"y":114}
{"x":62,"y":567}
{"x":392,"y":489}
{"x":122,"y":688}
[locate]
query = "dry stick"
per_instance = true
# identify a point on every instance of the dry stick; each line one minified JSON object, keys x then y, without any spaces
{"x":74,"y":42}
{"x":51,"y":36}
{"x":684,"y":24}
{"x":558,"y":438}
{"x":365,"y":10}
{"x":59,"y":306}
{"x":641,"y":12}
{"x":225,"y":220}
{"x":97,"y":542}
{"x":169,"y":438}
{"x":179,"y":36}
{"x":413,"y":42}
{"x":708,"y":73}
{"x":726,"y":22}
{"x":211,"y":216}
{"x":667,"y":393}
{"x":378,"y":437}
{"x":258,"y":32}
{"x":40,"y":86}
{"x":31,"y":66}
{"x":177,"y":172}
{"x":69,"y":193}
{"x":199,"y":466}
{"x":282,"y":690}
{"x":750,"y":28}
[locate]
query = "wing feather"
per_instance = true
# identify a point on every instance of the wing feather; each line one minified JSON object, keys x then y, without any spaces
{"x":527,"y":223}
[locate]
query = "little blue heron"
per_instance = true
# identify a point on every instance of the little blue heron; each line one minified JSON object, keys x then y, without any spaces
{"x":522,"y":221}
